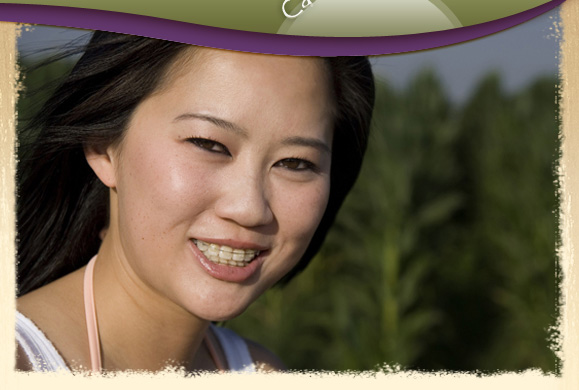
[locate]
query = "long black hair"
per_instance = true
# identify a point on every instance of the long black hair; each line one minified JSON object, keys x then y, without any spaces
{"x":62,"y":206}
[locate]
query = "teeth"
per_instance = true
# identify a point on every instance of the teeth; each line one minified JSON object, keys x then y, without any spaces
{"x":223,"y":254}
{"x":201,"y":245}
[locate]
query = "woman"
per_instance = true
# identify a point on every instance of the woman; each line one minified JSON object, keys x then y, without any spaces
{"x":198,"y":177}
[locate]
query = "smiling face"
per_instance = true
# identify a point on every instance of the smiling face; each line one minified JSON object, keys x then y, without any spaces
{"x":221,"y":179}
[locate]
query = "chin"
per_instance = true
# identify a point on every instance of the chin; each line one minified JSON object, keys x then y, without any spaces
{"x":222,"y":315}
{"x":215,"y":312}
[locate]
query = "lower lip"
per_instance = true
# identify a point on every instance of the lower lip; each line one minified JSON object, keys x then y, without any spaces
{"x":225,"y":272}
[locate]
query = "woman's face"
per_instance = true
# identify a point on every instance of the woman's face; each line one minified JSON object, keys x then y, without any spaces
{"x":222,"y":178}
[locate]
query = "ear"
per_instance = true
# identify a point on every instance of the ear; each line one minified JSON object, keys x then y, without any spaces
{"x":103,"y":163}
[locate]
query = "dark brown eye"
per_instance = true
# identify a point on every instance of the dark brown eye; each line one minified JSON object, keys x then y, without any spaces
{"x":209,"y":145}
{"x":296,"y":164}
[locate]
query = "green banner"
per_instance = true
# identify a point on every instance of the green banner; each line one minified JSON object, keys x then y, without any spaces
{"x":316,"y":17}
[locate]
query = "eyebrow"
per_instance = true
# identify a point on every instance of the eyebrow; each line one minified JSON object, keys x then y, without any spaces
{"x":224,"y":124}
{"x":230,"y":126}
{"x":311,"y":142}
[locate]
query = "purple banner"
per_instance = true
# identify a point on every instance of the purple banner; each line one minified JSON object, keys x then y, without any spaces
{"x":251,"y":41}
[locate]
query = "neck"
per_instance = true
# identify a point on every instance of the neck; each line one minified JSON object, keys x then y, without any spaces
{"x":139,"y":329}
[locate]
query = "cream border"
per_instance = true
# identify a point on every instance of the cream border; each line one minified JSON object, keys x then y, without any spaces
{"x":8,"y":74}
{"x":570,"y":193}
{"x":531,"y":380}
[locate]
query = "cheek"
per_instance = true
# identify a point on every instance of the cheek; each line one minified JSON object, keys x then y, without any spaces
{"x":302,"y":212}
{"x":158,"y":189}
{"x":299,"y":215}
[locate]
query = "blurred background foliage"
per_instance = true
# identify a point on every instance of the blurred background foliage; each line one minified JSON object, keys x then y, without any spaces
{"x":444,"y":254}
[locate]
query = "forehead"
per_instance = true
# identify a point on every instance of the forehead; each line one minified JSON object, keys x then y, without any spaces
{"x":288,"y":73}
{"x":256,"y":89}
{"x":198,"y":56}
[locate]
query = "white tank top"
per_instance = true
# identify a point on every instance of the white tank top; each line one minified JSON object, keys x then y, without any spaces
{"x":44,"y":357}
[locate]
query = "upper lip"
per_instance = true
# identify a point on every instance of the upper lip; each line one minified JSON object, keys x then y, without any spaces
{"x":236,"y":244}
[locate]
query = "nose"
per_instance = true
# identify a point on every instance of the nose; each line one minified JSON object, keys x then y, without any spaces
{"x":244,"y":201}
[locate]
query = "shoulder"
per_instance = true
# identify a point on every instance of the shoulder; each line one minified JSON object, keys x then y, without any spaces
{"x":54,"y":317}
{"x":263,"y":358}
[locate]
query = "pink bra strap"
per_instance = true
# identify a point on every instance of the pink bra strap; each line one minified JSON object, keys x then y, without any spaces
{"x":91,"y":320}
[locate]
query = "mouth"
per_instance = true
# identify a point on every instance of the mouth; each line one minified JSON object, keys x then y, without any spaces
{"x":226,"y":255}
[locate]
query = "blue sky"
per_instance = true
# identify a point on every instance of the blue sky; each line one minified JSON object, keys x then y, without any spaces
{"x":519,"y":54}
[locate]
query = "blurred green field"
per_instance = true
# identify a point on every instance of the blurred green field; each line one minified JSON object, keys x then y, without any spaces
{"x":444,"y":255}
